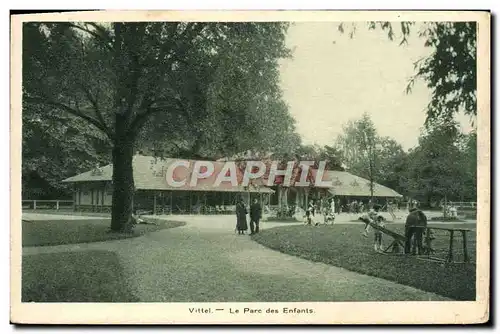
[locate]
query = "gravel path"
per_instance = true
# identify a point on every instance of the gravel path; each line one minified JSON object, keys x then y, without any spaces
{"x":205,"y":261}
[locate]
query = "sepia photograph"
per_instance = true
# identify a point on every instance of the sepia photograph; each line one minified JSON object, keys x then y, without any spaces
{"x":250,"y":167}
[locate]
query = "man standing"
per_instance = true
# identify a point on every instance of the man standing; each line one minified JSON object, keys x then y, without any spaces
{"x":255,"y":216}
{"x":416,"y":223}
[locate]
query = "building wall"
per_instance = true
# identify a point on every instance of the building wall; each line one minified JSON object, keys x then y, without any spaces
{"x":96,"y":194}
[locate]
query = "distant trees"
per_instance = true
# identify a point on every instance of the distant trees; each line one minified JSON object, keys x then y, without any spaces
{"x":443,"y":165}
{"x":444,"y":162}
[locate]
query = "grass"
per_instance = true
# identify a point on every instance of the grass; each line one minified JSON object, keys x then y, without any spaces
{"x":282,"y":220}
{"x":60,"y":232}
{"x":68,"y":212}
{"x":344,"y":246}
{"x":89,"y":276}
{"x":446,"y":219}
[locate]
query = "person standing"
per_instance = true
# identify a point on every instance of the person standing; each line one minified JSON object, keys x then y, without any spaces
{"x":331,"y":212}
{"x":378,"y":234}
{"x":310,"y":212}
{"x":255,"y":216}
{"x":391,"y":209}
{"x":416,"y":223}
{"x":370,"y":217}
{"x":241,"y":217}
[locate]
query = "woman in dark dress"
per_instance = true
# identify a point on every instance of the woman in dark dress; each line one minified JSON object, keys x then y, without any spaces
{"x":241,"y":217}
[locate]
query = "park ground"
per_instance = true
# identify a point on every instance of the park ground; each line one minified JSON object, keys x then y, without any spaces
{"x":202,"y":261}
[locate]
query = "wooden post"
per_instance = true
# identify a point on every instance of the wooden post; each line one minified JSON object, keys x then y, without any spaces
{"x":57,"y":205}
{"x":190,"y":202}
{"x":154,"y":203}
{"x":450,"y":251}
{"x":466,"y":254}
{"x":205,"y":202}
{"x":133,"y":202}
{"x":74,"y":197}
{"x":444,"y":207}
{"x":278,"y":189}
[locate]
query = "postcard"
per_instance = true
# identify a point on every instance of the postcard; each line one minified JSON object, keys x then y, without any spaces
{"x":250,"y":167}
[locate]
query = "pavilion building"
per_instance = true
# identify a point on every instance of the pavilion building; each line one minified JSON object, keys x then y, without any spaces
{"x":92,"y":190}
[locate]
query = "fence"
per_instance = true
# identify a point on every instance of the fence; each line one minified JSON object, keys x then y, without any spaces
{"x":463,"y":205}
{"x":47,"y":204}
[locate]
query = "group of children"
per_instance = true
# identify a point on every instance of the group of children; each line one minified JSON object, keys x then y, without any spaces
{"x":327,"y":211}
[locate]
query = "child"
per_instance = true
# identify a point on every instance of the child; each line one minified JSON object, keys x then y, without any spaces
{"x":429,"y":237}
{"x":378,"y":234}
{"x":391,"y":209}
{"x":372,"y":216}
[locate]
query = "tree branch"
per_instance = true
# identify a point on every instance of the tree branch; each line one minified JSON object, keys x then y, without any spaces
{"x":97,"y":110}
{"x":104,"y":32}
{"x":71,"y":111}
{"x":141,"y":118}
{"x":107,"y":41}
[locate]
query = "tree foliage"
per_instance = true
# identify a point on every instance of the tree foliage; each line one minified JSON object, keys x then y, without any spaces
{"x":365,"y":153}
{"x":204,"y":88}
{"x":56,"y":146}
{"x":358,"y":143}
{"x":443,"y":165}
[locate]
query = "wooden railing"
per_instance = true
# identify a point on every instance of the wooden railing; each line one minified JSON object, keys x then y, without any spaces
{"x":46,"y":204}
{"x":463,"y":205}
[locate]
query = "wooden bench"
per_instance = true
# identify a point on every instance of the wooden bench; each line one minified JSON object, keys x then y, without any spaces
{"x":398,"y":240}
{"x":463,"y":231}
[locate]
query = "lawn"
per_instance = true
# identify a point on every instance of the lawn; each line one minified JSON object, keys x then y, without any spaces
{"x":87,"y":276}
{"x":59,"y":232}
{"x":68,"y":212}
{"x":343,"y":245}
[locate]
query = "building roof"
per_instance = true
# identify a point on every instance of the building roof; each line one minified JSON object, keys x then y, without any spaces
{"x":347,"y":184}
{"x":149,"y":174}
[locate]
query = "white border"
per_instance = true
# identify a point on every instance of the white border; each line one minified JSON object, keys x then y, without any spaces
{"x":451,"y":312}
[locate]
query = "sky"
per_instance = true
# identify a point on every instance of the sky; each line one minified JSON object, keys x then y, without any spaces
{"x":332,"y":79}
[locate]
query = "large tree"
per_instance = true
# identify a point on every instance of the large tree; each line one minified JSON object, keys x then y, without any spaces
{"x":365,"y":153}
{"x":390,"y":164}
{"x":193,"y":84}
{"x":359,"y":142}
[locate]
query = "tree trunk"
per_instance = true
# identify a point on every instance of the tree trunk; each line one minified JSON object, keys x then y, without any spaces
{"x":123,"y":183}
